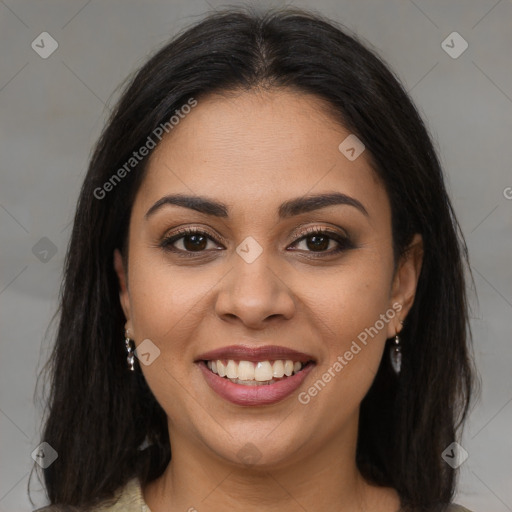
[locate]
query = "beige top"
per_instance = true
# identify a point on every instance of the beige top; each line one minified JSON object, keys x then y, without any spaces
{"x":131,"y":500}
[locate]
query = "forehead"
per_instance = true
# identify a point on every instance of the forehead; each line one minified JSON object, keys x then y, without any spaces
{"x":258,"y":148}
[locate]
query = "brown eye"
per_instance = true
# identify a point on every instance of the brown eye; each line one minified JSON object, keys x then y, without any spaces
{"x":323,"y":242}
{"x":194,"y":242}
{"x":317,"y":242}
{"x":188,"y":241}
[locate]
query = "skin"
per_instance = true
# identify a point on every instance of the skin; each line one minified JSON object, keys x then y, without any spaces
{"x":253,"y":151}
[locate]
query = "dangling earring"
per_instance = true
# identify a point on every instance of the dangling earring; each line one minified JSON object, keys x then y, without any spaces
{"x":396,"y":355}
{"x":130,"y":358}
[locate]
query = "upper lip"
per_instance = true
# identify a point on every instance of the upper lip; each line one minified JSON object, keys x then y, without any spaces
{"x":255,"y":354}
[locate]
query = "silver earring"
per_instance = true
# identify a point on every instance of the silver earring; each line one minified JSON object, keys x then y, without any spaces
{"x":396,"y":355}
{"x":130,"y":358}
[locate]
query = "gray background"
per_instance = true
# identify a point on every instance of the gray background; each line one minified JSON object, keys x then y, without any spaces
{"x":52,"y":111}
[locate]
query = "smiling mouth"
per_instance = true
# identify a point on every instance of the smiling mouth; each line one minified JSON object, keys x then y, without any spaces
{"x":259,"y":373}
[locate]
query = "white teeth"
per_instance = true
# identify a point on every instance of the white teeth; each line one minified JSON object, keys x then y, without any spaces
{"x":252,"y":382}
{"x":278,"y":369}
{"x":231,"y":370}
{"x":245,"y":370}
{"x":221,"y":369}
{"x":263,"y":371}
{"x":253,"y":373}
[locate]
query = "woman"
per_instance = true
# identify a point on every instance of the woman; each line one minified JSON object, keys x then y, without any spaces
{"x":264,"y":303}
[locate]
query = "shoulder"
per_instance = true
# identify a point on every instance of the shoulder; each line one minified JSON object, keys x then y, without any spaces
{"x":457,"y":508}
{"x":127,"y":499}
{"x":451,"y":507}
{"x":447,"y":507}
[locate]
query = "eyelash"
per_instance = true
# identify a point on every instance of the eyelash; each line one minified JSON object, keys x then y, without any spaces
{"x":344,"y":243}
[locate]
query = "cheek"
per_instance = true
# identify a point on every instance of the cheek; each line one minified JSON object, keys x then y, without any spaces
{"x":350,"y":305}
{"x":164,"y":297}
{"x":167,"y":304}
{"x":353,"y":298}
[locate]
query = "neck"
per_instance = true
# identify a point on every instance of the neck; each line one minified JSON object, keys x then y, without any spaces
{"x":323,"y":477}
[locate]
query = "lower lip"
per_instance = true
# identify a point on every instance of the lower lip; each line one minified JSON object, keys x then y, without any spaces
{"x":254,"y":395}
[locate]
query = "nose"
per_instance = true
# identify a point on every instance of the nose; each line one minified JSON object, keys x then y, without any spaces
{"x":254,"y":294}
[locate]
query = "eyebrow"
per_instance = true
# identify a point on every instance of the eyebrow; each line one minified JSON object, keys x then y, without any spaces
{"x":287,"y":209}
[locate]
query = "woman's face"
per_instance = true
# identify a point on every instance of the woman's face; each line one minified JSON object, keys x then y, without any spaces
{"x":256,"y":278}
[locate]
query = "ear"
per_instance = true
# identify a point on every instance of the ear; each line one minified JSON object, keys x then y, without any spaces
{"x":405,"y":282}
{"x":124,"y":296}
